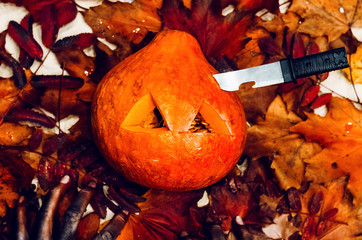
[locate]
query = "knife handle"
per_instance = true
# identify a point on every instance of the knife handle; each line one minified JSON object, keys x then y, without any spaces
{"x":331,"y":60}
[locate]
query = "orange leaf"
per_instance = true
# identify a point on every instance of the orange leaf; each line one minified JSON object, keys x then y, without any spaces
{"x":340,"y":132}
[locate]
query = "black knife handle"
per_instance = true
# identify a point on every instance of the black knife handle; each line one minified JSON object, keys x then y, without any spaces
{"x":331,"y":60}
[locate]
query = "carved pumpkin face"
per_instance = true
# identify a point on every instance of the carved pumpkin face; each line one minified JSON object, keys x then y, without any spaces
{"x":160,"y":118}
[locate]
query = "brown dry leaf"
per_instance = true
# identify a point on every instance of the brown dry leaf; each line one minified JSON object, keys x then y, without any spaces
{"x":251,"y":55}
{"x":256,"y":100}
{"x":163,"y":215}
{"x":271,"y":137}
{"x":340,"y":131}
{"x":115,"y":21}
{"x":14,"y":175}
{"x":76,"y":62}
{"x":330,"y":18}
{"x":354,"y":73}
{"x":72,"y":101}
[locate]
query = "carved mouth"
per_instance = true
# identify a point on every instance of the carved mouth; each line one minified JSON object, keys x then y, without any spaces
{"x":145,"y":116}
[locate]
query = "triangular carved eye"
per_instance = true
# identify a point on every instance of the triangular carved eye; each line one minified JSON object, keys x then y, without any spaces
{"x":144,"y":116}
{"x":208,"y":120}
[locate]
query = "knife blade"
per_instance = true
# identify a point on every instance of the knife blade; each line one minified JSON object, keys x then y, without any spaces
{"x":285,"y":70}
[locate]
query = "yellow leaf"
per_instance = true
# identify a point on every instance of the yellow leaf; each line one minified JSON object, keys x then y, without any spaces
{"x":354,"y":73}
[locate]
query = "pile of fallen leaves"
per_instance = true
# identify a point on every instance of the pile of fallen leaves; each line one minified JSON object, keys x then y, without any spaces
{"x":299,"y":175}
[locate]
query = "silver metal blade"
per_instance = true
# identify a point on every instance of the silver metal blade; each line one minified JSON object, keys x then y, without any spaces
{"x":264,"y":75}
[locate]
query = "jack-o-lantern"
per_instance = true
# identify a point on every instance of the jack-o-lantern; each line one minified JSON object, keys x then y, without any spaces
{"x":160,"y":118}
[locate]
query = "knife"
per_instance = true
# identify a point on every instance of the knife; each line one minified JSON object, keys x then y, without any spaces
{"x":285,"y":70}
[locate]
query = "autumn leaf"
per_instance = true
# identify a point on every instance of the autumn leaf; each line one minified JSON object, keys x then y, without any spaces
{"x":229,"y":200}
{"x":163,"y":216}
{"x":115,"y":21}
{"x":355,"y":71}
{"x":12,"y":134}
{"x":271,"y":137}
{"x":14,"y":175}
{"x":218,"y":35}
{"x":8,"y":95}
{"x":330,"y":18}
{"x":345,"y":222}
{"x":251,"y":55}
{"x":340,"y":133}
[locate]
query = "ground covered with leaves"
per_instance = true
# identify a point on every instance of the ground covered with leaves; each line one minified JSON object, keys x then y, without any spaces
{"x":299,"y":176}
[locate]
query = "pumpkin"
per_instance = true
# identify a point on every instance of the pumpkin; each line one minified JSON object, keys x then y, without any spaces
{"x":160,"y":118}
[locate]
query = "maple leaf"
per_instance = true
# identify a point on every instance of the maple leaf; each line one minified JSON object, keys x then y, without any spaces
{"x":163,"y":216}
{"x":270,"y":137}
{"x":330,"y":18}
{"x":218,"y":35}
{"x":115,"y":21}
{"x":340,"y":133}
{"x":14,"y":175}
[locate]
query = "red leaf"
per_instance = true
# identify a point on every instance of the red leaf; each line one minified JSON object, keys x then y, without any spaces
{"x":24,"y":58}
{"x":312,"y":48}
{"x":309,"y":228}
{"x":56,"y":82}
{"x":82,"y":41}
{"x":272,"y":6}
{"x":35,"y":8}
{"x":321,"y":100}
{"x":269,"y":46}
{"x":35,"y":139}
{"x":293,"y":196}
{"x":310,"y":95}
{"x":298,"y":46}
{"x":19,"y":114}
{"x":163,"y":214}
{"x":218,"y":35}
{"x":316,"y":203}
{"x":45,"y":174}
{"x":66,"y":12}
{"x":331,"y":213}
{"x":287,"y":87}
{"x":54,"y":143}
{"x":19,"y":76}
{"x":24,"y":40}
{"x":49,"y":25}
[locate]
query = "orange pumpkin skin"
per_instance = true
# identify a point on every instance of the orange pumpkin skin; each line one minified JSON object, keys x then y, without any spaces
{"x":172,"y":74}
